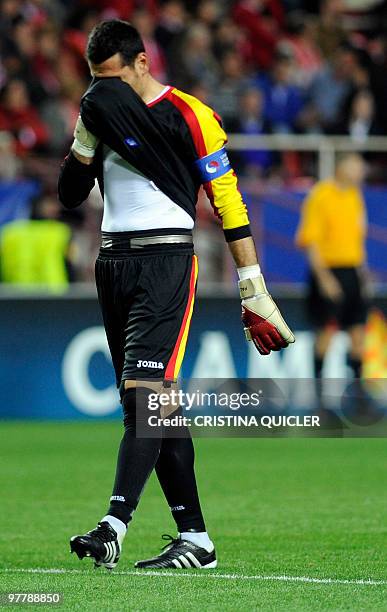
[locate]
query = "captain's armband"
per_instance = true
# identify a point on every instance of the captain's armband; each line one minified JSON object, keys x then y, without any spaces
{"x":213,"y":166}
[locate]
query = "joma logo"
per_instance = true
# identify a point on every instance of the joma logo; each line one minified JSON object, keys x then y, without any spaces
{"x":155,"y":365}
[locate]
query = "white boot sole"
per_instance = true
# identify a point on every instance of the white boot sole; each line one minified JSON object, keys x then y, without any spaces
{"x":211,"y":565}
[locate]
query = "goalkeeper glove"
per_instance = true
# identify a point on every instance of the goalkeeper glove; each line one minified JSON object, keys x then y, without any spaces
{"x":85,"y":143}
{"x":263,"y":321}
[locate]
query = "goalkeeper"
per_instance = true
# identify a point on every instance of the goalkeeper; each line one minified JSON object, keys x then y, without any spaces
{"x":151,"y":147}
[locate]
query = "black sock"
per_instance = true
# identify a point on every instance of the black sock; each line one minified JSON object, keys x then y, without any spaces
{"x":136,"y":458}
{"x":355,"y":365}
{"x":175,"y":471}
{"x":318,"y":365}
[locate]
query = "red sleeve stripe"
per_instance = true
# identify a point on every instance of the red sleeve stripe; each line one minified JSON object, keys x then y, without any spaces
{"x":192,"y":122}
{"x":197,"y":136}
{"x":218,"y":118}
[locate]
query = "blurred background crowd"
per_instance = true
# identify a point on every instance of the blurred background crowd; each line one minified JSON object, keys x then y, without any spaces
{"x":266,"y":66}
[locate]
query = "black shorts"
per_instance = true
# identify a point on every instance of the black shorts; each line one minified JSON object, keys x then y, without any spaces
{"x":147,"y":298}
{"x":350,"y":311}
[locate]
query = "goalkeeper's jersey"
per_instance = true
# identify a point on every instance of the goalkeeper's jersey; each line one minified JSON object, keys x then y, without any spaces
{"x":169,"y":148}
{"x":134,"y":203}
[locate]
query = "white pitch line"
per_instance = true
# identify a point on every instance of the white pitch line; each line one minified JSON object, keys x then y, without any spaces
{"x":203,"y":574}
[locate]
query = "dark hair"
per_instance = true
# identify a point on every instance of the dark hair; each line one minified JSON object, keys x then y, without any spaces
{"x":111,"y":37}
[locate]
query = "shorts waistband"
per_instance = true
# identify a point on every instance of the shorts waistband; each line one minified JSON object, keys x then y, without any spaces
{"x":147,"y":238}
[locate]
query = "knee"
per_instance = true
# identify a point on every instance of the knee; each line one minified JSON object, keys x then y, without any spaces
{"x":357,"y":341}
{"x":323,"y":340}
{"x":126,"y":385}
{"x":178,"y":450}
{"x":128,"y":401}
{"x":135,"y":407}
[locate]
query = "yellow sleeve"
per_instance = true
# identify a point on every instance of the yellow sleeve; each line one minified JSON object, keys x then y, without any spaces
{"x":218,"y":178}
{"x":310,"y":226}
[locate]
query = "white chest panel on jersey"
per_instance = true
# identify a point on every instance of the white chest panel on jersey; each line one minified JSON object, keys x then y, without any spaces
{"x":133,"y":203}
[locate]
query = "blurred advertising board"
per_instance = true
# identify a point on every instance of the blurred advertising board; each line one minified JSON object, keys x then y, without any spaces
{"x":55,"y":363}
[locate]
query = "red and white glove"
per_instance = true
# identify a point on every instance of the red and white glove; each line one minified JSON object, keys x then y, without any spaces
{"x":263,"y":321}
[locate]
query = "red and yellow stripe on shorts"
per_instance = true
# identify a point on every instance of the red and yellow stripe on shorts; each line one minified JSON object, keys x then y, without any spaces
{"x":174,"y":364}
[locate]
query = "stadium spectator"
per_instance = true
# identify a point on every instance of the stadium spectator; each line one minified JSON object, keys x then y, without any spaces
{"x":9,"y":162}
{"x":195,"y":60}
{"x":23,"y":38}
{"x":116,"y":9}
{"x":9,"y":10}
{"x":330,"y":32}
{"x":60,"y":115}
{"x":36,"y":253}
{"x":46,"y":58}
{"x":227,"y":37}
{"x":333,"y":232}
{"x":378,"y":81}
{"x":252,"y":121}
{"x":303,"y":45}
{"x":361,"y":121}
{"x":232,"y":81}
{"x":75,"y":35}
{"x":20,"y":118}
{"x":123,"y":9}
{"x":209,"y":12}
{"x":171,"y":27}
{"x":263,"y":22}
{"x":331,"y":88}
{"x":18,"y":50}
{"x":145,"y":24}
{"x":39,"y":12}
{"x":199,"y":90}
{"x":283,"y":99}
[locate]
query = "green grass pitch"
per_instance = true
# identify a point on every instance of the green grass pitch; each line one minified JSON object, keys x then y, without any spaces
{"x":289,"y":507}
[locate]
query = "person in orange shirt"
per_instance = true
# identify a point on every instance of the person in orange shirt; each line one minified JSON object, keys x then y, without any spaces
{"x":332,"y":231}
